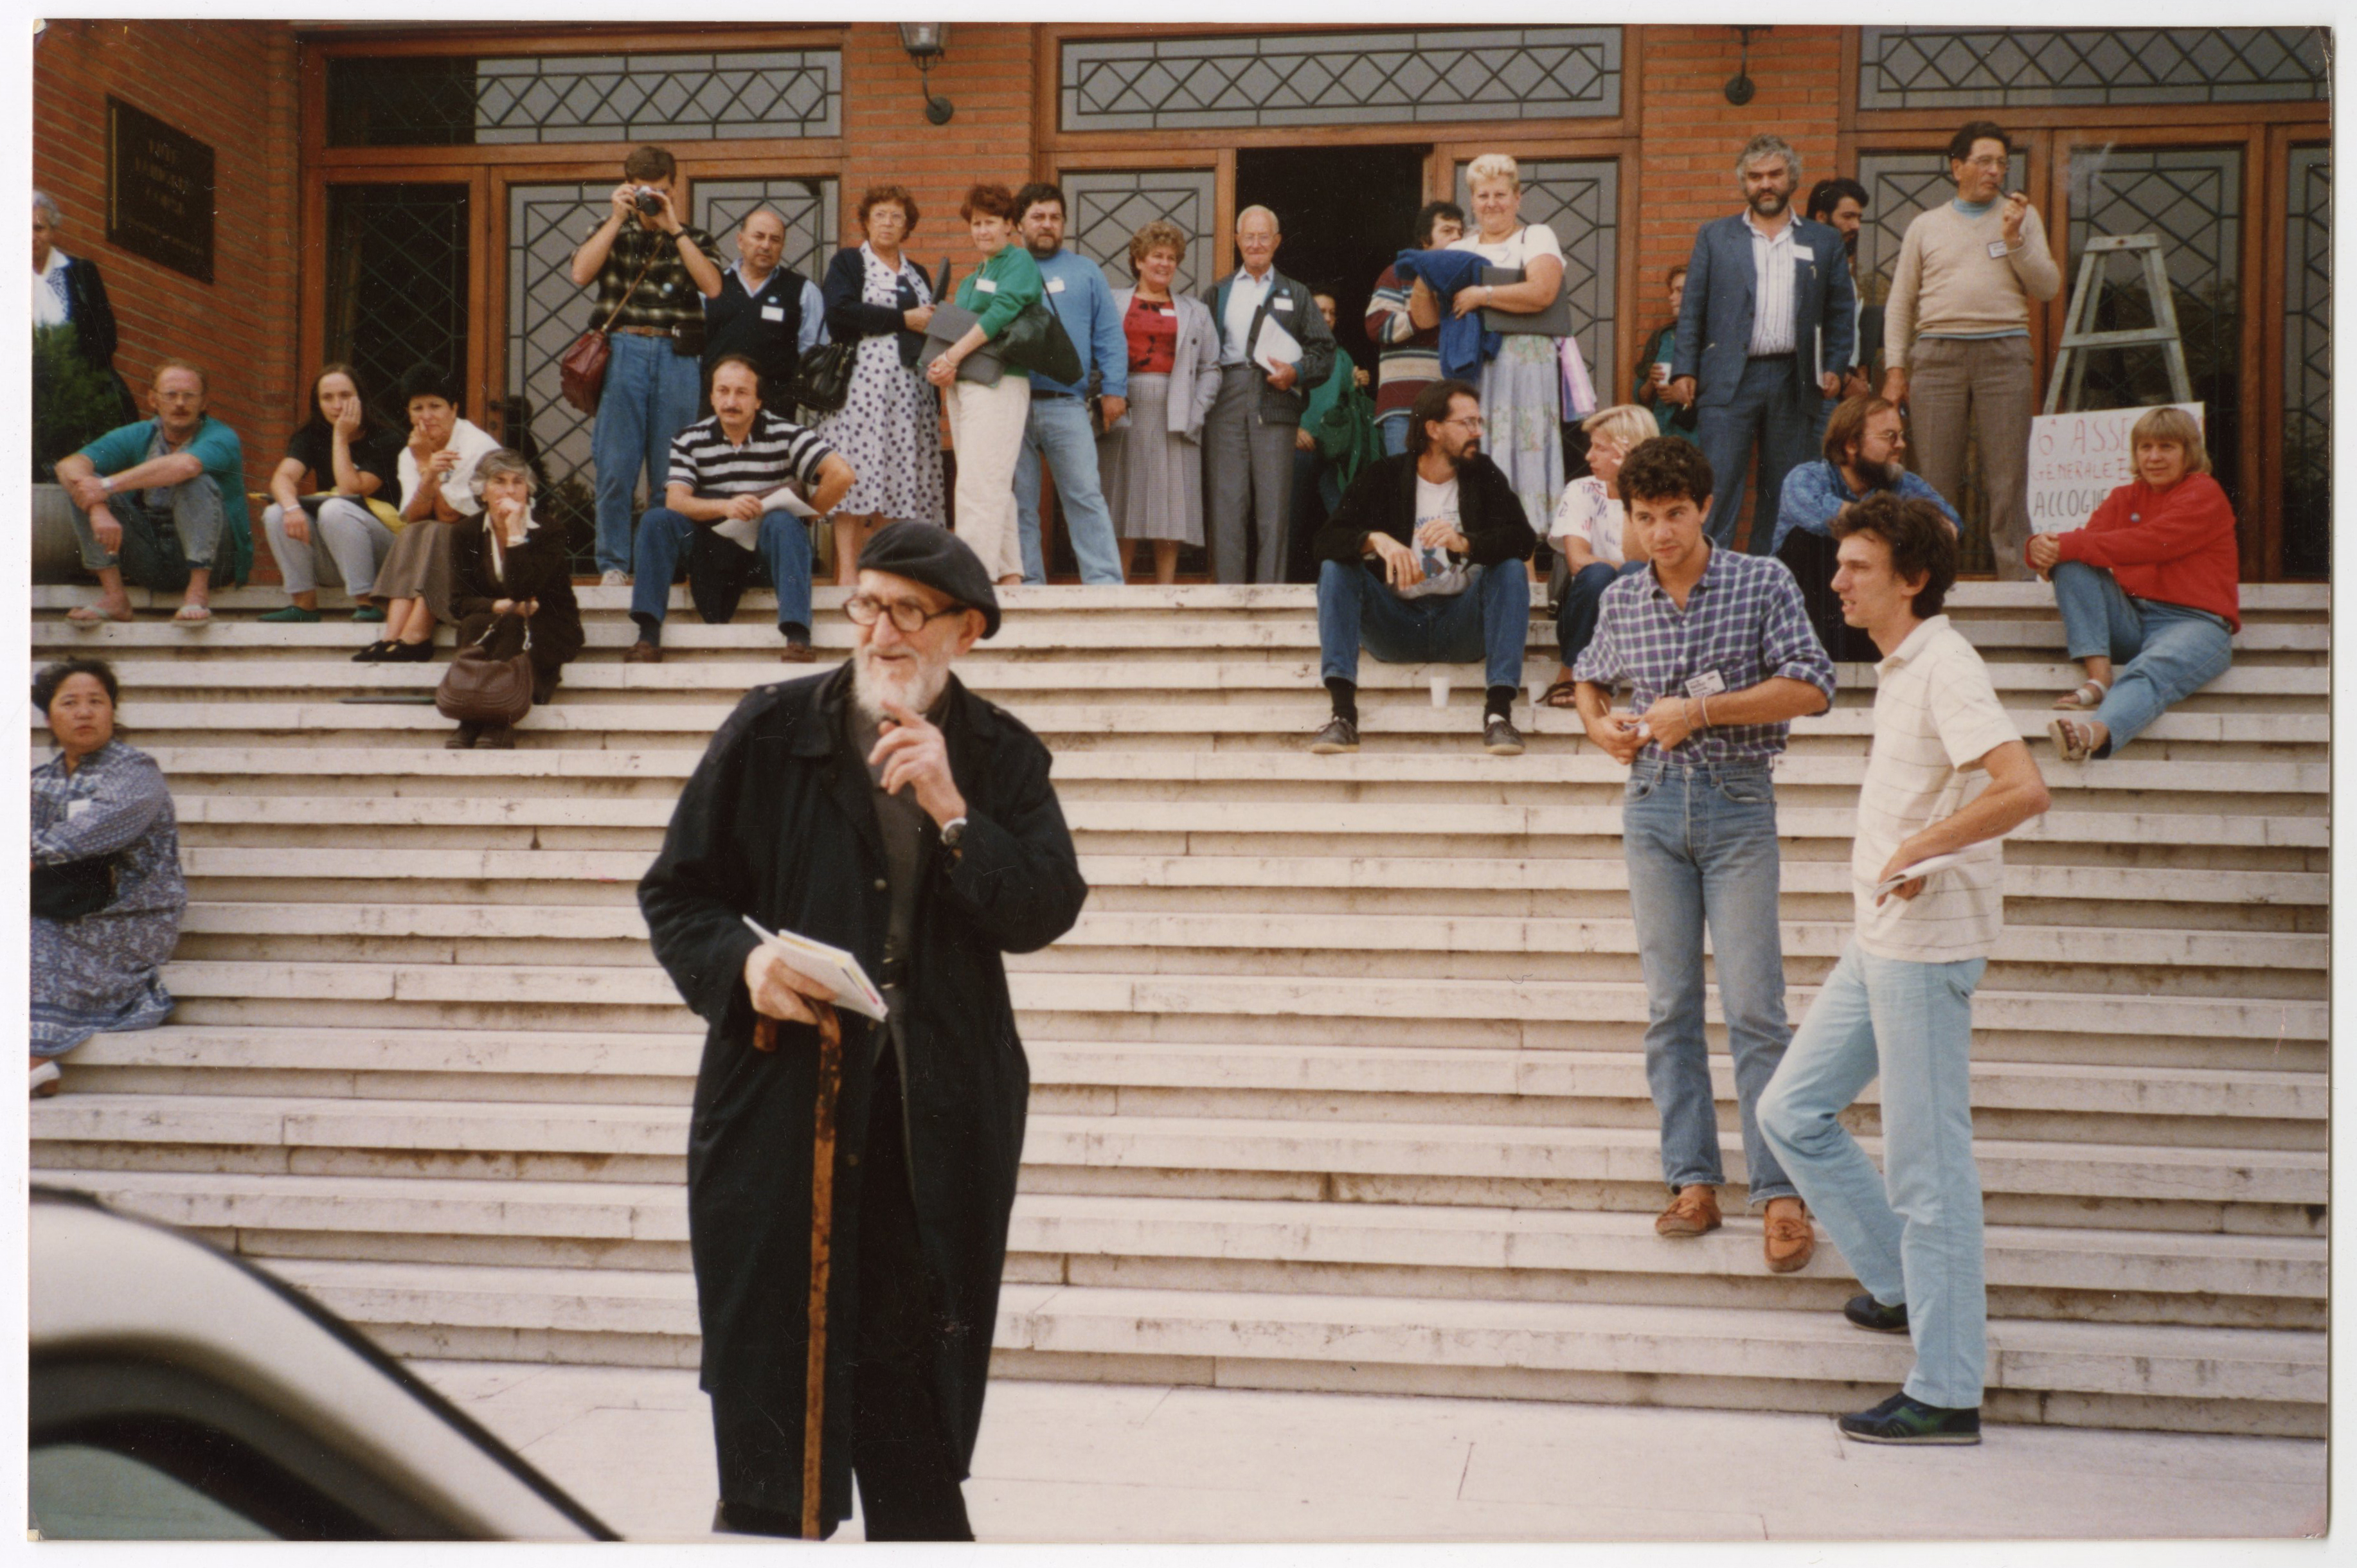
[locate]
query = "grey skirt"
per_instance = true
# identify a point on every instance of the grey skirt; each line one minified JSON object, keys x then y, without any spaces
{"x":1153,"y":479}
{"x":419,"y":564}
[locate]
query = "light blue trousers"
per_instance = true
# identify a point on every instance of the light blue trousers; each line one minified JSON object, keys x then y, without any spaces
{"x":2162,"y":654}
{"x":1058,"y":429}
{"x":1911,"y":1232}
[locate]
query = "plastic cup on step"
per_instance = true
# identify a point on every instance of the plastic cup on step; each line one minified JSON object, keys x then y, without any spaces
{"x":1440,"y":691}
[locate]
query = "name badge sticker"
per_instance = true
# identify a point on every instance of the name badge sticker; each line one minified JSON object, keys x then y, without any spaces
{"x":1709,"y":684}
{"x":1998,"y":251}
{"x":986,"y":285}
{"x":75,"y":808}
{"x":1280,"y":302}
{"x":1055,"y":285}
{"x":773,"y":312}
{"x":1169,"y":310}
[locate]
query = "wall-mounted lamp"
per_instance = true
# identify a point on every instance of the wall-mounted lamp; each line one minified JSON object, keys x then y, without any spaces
{"x":926,"y":43}
{"x":1739,"y":87}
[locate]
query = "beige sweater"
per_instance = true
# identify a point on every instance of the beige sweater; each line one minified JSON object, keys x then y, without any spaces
{"x":1948,"y":286}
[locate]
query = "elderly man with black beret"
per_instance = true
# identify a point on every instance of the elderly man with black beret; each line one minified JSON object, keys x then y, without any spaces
{"x":885,"y":810}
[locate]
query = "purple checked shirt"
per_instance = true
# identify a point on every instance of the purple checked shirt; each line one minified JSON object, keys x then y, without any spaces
{"x":1743,"y":619}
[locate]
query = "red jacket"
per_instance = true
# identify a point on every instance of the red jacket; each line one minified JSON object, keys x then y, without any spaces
{"x":2175,"y":545}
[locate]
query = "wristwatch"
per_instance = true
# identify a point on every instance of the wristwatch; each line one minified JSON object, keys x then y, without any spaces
{"x":952,"y":833}
{"x":106,"y":483}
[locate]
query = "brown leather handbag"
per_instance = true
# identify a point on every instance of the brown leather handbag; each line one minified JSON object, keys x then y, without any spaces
{"x":480,"y":689}
{"x":581,"y":369}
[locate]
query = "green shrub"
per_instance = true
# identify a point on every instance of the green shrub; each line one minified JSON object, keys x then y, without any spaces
{"x":74,"y":402}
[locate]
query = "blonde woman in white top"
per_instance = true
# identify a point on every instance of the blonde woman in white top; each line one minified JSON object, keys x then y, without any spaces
{"x":1522,"y":389}
{"x":1592,"y":537}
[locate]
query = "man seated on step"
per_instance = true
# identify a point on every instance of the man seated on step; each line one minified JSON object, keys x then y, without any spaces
{"x":1422,"y":563}
{"x":1864,"y":453}
{"x":1717,"y":650}
{"x":723,"y":515}
{"x":1947,"y":776}
{"x":153,"y":501}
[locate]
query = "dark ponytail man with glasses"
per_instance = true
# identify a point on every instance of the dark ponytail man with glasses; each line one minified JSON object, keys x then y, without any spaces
{"x":885,"y":810}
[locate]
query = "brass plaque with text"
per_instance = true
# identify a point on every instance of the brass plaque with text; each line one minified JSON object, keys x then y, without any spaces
{"x":159,"y":191}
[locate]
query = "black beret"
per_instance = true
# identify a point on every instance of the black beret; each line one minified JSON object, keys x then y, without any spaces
{"x":934,"y":556}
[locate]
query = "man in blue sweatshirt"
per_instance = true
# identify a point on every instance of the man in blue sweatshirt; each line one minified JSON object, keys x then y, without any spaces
{"x":1059,"y":427}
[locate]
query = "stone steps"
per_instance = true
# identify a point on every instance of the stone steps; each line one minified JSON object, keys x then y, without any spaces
{"x":2203,"y":1378}
{"x":1307,"y":1112}
{"x":1356,"y":1249}
{"x":1477,"y":1157}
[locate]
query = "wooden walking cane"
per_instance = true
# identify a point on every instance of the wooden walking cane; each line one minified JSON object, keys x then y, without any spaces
{"x":829,"y":1089}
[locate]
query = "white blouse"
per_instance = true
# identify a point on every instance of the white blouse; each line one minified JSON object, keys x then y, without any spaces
{"x":1588,"y":515}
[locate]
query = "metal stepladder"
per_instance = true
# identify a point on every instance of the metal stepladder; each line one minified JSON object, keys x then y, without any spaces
{"x":2065,"y":386}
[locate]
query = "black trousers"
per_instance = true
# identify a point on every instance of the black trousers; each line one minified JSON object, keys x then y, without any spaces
{"x":901,"y":1457}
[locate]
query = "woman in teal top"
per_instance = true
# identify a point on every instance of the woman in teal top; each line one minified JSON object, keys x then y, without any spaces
{"x":986,"y":420}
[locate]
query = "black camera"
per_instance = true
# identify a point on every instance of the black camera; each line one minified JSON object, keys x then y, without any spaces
{"x":650,"y":202}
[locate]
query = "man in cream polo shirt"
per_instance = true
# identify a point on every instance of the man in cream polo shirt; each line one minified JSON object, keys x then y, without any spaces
{"x":1899,"y":1005}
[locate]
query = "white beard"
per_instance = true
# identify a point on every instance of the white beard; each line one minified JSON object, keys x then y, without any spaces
{"x":918,"y":692}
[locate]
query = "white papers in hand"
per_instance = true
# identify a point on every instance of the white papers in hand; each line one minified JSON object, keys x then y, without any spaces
{"x":1923,"y":867}
{"x":1274,"y":347}
{"x":746,"y":532}
{"x":837,"y":970}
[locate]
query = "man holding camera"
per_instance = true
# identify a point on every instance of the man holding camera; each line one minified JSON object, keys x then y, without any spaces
{"x":653,"y":273}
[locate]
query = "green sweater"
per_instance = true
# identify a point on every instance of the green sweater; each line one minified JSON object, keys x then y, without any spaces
{"x":1016,"y":281}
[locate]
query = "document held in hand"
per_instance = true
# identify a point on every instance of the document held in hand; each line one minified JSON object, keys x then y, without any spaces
{"x":746,"y":532}
{"x":837,"y":970}
{"x":1924,"y":867}
{"x":1275,"y":346}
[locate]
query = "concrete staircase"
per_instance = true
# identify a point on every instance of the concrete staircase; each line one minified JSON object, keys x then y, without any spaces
{"x":1338,"y":1084}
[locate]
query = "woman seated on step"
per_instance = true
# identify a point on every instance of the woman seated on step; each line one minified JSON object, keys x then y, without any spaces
{"x":512,"y":576}
{"x":107,"y":893}
{"x":2149,"y":583}
{"x":340,"y":529}
{"x":437,"y":472}
{"x":1594,"y":545}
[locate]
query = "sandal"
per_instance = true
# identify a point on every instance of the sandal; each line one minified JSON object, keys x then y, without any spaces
{"x":2090,"y":695}
{"x":2073,"y":740}
{"x":1567,"y":690}
{"x":193,"y":615}
{"x":92,"y":615}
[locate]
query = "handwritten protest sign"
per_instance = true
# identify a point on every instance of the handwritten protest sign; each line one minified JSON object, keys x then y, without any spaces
{"x":2077,"y":459}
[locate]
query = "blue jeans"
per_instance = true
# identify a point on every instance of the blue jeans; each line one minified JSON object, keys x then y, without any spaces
{"x":1583,"y":599}
{"x":2163,"y":653}
{"x":1767,"y":410}
{"x":1912,"y":1233}
{"x":1059,"y":428}
{"x":785,"y":553}
{"x":160,"y":548}
{"x":1490,"y":621}
{"x":1392,"y":428}
{"x":650,"y":397}
{"x":1701,"y":848}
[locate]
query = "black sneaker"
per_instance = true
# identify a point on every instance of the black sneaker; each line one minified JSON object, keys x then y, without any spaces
{"x":1500,"y":738}
{"x":1899,"y":1419}
{"x":1339,"y":734}
{"x":1868,"y":1312}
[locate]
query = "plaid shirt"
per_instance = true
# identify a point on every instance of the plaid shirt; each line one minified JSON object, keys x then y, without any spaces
{"x":1744,"y":620}
{"x":667,"y":298}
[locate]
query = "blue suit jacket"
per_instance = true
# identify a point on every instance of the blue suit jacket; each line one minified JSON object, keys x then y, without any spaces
{"x":1715,"y":316}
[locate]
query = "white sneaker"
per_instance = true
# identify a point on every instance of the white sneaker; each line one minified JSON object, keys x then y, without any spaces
{"x":45,"y":1080}
{"x":613,"y":579}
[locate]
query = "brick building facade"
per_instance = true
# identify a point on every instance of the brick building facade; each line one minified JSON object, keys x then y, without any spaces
{"x":385,"y":193}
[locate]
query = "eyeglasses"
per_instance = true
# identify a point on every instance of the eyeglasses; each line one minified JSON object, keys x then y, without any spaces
{"x":908,"y":617}
{"x":1999,"y":163}
{"x":1470,"y":422}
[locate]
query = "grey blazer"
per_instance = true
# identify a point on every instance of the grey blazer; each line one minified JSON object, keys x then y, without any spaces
{"x":1194,"y":369}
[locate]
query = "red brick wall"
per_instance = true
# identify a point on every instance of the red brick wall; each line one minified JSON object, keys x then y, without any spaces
{"x":988,"y":75}
{"x":228,"y":83}
{"x":1686,"y":171}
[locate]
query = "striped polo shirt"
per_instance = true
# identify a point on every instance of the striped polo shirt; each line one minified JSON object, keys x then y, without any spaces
{"x":774,"y":451}
{"x":1935,"y":716}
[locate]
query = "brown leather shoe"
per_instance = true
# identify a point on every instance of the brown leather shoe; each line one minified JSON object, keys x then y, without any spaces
{"x":643,"y":652}
{"x":1790,"y":1241}
{"x":798,"y":653}
{"x":1694,"y":1212}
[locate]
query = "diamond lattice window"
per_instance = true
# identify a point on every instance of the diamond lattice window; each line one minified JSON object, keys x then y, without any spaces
{"x":1340,"y":78}
{"x":1110,"y":206}
{"x":1989,"y":68}
{"x":2308,"y":364}
{"x":461,"y":102}
{"x":396,"y":283}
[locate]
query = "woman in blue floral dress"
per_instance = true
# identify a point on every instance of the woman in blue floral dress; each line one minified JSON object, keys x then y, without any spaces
{"x":99,"y":801}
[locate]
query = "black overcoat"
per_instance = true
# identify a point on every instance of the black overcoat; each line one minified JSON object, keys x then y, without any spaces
{"x":777,"y":824}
